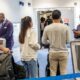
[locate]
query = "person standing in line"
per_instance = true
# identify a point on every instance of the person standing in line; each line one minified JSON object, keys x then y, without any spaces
{"x":48,"y":21}
{"x":6,"y":31}
{"x":57,"y":35}
{"x":42,"y":25}
{"x":77,"y":37}
{"x":29,"y":47}
{"x":77,"y":32}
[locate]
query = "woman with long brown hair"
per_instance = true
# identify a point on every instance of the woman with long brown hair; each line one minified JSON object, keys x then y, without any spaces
{"x":29,"y":46}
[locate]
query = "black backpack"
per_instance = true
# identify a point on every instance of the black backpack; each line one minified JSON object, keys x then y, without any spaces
{"x":19,"y":70}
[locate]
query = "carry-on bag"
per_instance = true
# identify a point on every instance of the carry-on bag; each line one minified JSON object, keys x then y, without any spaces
{"x":19,"y":71}
{"x":6,"y":68}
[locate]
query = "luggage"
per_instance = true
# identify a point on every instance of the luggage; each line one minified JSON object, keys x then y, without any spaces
{"x":6,"y":68}
{"x":19,"y":70}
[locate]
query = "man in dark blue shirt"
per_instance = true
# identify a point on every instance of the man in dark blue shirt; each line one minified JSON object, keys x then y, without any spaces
{"x":48,"y":21}
{"x":6,"y":31}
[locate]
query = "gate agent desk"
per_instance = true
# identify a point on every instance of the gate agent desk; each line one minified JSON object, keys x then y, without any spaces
{"x":75,"y":52}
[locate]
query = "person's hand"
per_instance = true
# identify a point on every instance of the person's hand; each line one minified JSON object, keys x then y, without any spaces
{"x":35,"y":46}
{"x":77,"y":32}
{"x":6,"y":50}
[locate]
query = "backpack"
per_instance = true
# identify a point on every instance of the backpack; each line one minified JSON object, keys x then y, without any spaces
{"x":6,"y":67}
{"x":19,"y":70}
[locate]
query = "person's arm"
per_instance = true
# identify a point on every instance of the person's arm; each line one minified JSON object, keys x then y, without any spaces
{"x":33,"y":41}
{"x":77,"y":32}
{"x":9,"y":31}
{"x":45,"y":37}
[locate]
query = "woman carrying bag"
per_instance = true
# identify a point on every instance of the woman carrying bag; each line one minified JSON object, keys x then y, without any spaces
{"x":29,"y":47}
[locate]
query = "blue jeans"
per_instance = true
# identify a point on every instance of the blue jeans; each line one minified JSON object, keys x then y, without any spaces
{"x":31,"y":68}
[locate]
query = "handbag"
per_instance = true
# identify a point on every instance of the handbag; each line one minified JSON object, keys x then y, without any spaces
{"x":19,"y":70}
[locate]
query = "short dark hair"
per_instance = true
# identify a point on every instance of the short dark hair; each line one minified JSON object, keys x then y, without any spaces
{"x":56,"y":14}
{"x":42,"y":19}
{"x":2,"y":14}
{"x":48,"y":16}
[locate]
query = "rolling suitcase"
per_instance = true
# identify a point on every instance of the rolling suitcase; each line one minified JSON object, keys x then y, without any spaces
{"x":6,"y":68}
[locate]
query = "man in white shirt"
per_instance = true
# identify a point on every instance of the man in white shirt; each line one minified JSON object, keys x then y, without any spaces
{"x":57,"y":35}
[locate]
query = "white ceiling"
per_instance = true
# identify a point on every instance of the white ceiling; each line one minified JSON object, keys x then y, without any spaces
{"x":53,"y":3}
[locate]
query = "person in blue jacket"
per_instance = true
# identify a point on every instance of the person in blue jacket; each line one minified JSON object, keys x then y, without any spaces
{"x":6,"y":31}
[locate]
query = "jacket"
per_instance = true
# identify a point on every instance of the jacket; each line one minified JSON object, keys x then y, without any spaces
{"x":30,"y":46}
{"x":6,"y":31}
